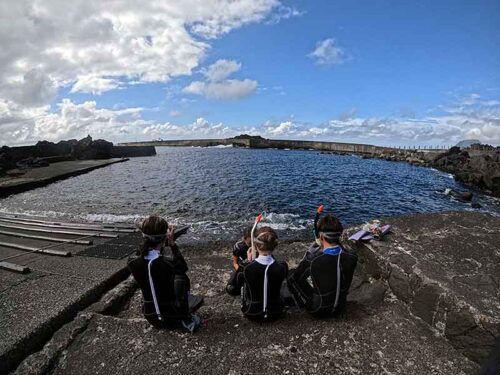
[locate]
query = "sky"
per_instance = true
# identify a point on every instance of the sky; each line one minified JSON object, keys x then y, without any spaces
{"x":382,"y":72}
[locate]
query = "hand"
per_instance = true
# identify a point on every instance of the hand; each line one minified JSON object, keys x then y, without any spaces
{"x":249,"y":255}
{"x":171,"y":235}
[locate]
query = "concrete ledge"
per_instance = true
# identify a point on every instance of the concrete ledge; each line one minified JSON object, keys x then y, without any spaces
{"x":47,"y":175}
{"x":41,"y":362}
{"x":39,"y":335}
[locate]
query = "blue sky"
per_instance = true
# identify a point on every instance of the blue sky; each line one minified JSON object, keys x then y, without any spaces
{"x":384,"y":72}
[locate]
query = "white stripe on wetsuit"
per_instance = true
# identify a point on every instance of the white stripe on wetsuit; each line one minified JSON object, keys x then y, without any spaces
{"x":151,"y":256}
{"x":338,"y":281}
{"x":265,"y":260}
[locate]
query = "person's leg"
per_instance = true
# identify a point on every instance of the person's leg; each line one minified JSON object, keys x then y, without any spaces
{"x":301,"y":291}
{"x":232,"y":287}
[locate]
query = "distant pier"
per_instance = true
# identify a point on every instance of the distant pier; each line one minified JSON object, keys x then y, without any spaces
{"x":259,"y":142}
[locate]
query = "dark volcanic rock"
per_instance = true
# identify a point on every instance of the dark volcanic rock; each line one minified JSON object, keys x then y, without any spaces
{"x":6,"y":160}
{"x":87,"y":148}
{"x":480,"y":169}
{"x":449,"y":284}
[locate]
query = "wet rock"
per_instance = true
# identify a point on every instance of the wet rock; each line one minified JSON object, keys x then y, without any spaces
{"x":479,"y":168}
{"x":467,"y":196}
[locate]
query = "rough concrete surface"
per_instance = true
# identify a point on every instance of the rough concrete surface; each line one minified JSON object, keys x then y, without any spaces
{"x":381,"y":331}
{"x":446,"y":267}
{"x":34,"y":305}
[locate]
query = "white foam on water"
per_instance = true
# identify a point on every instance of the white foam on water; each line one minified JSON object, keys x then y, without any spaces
{"x":220,"y":146}
{"x":47,"y":214}
{"x":111,"y":218}
{"x":277,"y":221}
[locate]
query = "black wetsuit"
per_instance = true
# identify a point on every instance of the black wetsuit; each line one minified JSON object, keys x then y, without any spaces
{"x":240,"y":251}
{"x":318,"y":296}
{"x":171,"y":285}
{"x":252,"y":279}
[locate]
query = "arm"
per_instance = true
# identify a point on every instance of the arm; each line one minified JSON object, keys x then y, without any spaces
{"x":303,"y":270}
{"x":240,"y":278}
{"x":235,"y":263}
{"x":178,"y":260}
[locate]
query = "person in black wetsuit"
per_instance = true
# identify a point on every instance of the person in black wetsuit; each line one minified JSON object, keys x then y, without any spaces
{"x":163,"y":280}
{"x":262,"y":278}
{"x":240,"y":250}
{"x":321,"y":281}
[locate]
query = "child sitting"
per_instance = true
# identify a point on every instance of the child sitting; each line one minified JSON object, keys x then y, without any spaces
{"x":262,"y":278}
{"x":240,"y":249}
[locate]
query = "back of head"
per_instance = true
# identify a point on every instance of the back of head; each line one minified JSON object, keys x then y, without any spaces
{"x":154,"y":231}
{"x":247,"y":233}
{"x":266,"y":239}
{"x":331,"y":228}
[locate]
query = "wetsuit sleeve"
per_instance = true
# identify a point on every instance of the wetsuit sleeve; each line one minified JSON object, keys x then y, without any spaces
{"x":236,"y":249}
{"x":240,"y":277}
{"x":178,"y":260}
{"x":302,"y":271}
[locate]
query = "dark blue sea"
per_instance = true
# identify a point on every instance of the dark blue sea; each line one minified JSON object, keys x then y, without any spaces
{"x":218,"y":191}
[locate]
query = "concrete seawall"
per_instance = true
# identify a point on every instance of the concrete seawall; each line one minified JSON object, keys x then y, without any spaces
{"x":258,"y":142}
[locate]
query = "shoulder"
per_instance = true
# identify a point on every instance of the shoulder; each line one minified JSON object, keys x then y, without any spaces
{"x":240,"y":245}
{"x":281,"y":262}
{"x":134,"y":261}
{"x":349,"y":254}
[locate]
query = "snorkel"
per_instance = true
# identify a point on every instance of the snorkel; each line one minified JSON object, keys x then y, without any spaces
{"x":319,"y":211}
{"x":258,"y":219}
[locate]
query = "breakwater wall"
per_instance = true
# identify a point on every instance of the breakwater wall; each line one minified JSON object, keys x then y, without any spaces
{"x":259,"y":142}
{"x":132,"y":151}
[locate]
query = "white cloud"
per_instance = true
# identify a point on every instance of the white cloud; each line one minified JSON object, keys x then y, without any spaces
{"x":93,"y":84}
{"x":284,"y":12}
{"x":448,"y":128}
{"x":218,"y":86}
{"x":94,"y":46}
{"x":21,"y":125}
{"x":229,"y":89}
{"x":327,"y":52}
{"x":221,"y":69}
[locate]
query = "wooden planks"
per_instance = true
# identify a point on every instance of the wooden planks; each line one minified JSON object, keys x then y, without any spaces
{"x":46,"y":238}
{"x":59,"y":231}
{"x":14,"y":267}
{"x":53,"y":224}
{"x":35,"y":249}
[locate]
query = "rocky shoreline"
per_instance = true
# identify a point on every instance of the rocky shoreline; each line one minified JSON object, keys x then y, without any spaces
{"x":477,"y":167}
{"x":422,"y":302}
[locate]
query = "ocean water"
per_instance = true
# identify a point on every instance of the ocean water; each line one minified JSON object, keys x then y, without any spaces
{"x":218,"y":191}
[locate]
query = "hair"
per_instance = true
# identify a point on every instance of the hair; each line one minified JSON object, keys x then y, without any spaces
{"x":267,"y":239}
{"x":247,"y":233}
{"x":152,"y":225}
{"x":331,"y":227}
